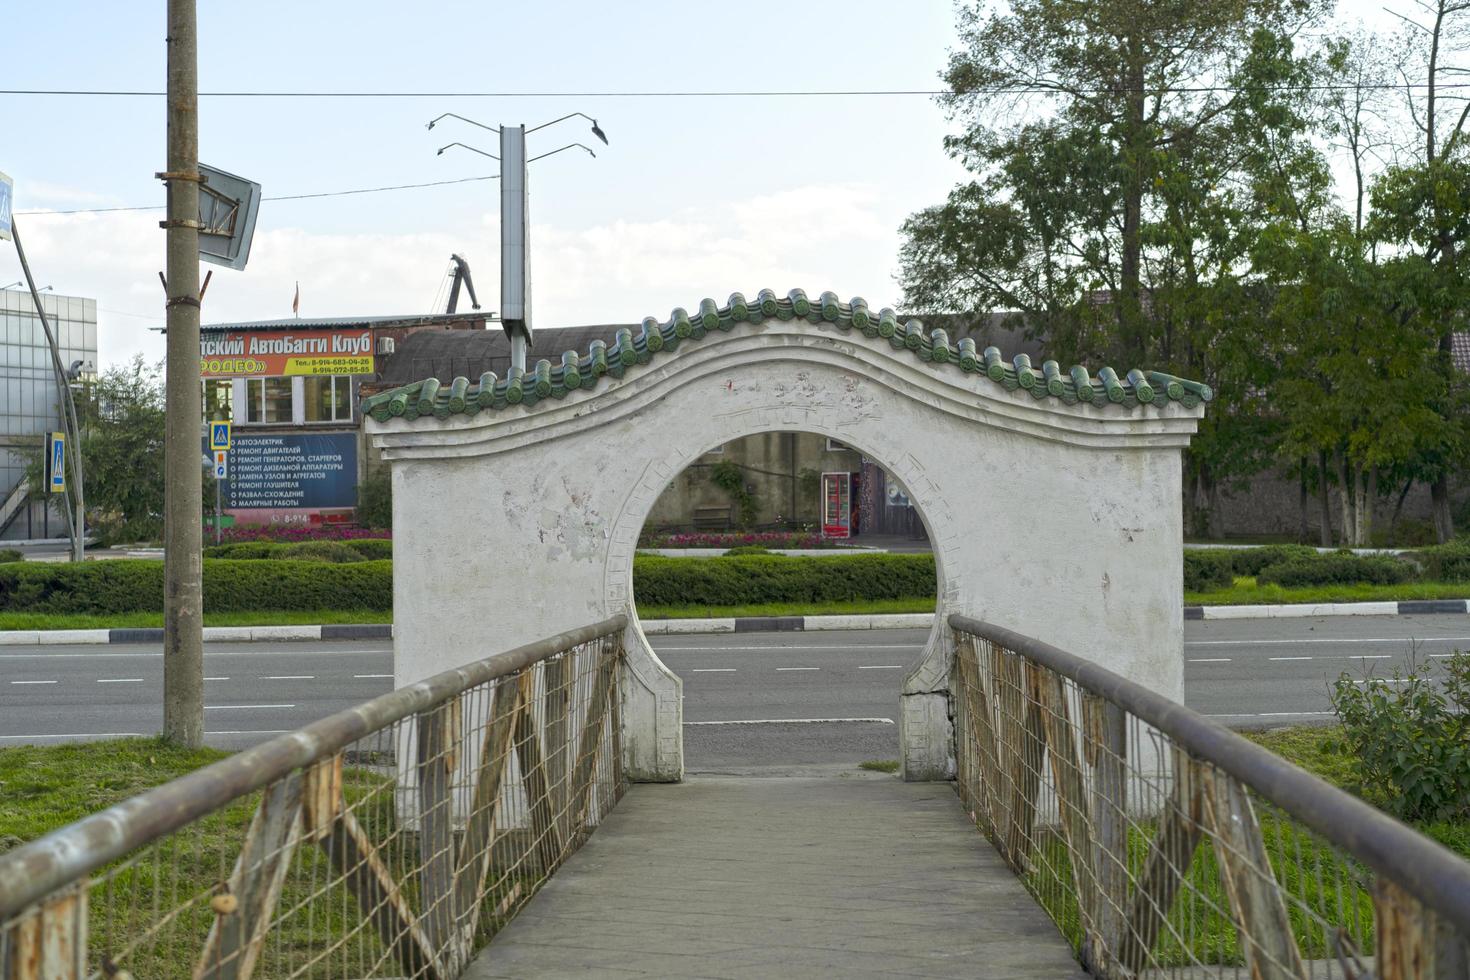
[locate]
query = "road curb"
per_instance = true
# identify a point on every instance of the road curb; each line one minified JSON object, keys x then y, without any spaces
{"x":1306,"y":610}
{"x":737,"y":624}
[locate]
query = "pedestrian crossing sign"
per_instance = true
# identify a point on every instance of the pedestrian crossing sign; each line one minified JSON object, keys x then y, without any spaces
{"x":219,"y":435}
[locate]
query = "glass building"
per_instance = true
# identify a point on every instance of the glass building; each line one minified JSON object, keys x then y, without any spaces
{"x":28,"y":397}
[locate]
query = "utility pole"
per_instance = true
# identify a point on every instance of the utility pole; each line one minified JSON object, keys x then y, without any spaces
{"x":183,"y":567}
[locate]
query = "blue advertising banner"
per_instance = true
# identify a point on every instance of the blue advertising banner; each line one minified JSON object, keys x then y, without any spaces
{"x":288,"y":470}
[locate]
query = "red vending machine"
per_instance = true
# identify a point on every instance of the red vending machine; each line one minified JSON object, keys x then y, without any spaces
{"x":836,"y":505}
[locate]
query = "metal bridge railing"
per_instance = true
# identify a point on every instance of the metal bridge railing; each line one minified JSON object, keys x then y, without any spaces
{"x":1163,"y":844}
{"x":389,"y":840}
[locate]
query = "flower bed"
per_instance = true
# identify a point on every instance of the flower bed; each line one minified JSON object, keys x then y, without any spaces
{"x":734,"y":539}
{"x":291,"y":535}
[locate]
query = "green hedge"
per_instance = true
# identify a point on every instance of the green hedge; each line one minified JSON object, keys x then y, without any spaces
{"x":1208,"y":569}
{"x":1446,"y":562}
{"x":372,"y":549}
{"x":749,"y":579}
{"x":1250,"y":561}
{"x":1338,"y":569}
{"x":106,"y":587}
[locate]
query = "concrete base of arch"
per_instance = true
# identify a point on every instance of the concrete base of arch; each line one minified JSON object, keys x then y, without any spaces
{"x":1059,"y":521}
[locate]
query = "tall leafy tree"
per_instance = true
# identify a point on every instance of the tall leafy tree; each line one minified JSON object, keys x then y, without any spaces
{"x":1421,"y":211}
{"x":1118,"y":148}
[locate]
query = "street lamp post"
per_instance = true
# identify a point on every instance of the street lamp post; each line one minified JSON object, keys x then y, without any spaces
{"x":515,"y":253}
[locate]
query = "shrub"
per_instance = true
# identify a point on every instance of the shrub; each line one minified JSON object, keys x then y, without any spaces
{"x":333,"y":551}
{"x":1339,"y":568}
{"x":107,"y":587}
{"x":1209,"y":568}
{"x":749,"y":549}
{"x":10,"y":554}
{"x":750,"y":579}
{"x":241,"y":550}
{"x":1448,"y":562}
{"x":1250,"y":561}
{"x":375,"y":500}
{"x":373,"y":549}
{"x":1412,"y":738}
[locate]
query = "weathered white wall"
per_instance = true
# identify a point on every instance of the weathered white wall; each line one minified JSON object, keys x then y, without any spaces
{"x":1061,"y":522}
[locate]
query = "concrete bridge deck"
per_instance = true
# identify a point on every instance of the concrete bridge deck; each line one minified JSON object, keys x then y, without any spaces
{"x":842,"y":875}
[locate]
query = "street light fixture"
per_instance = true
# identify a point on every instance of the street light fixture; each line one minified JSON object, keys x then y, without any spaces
{"x":515,"y":277}
{"x":453,"y":115}
{"x":543,"y":156}
{"x":467,"y":147}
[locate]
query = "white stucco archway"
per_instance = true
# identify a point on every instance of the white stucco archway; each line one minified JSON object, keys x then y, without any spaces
{"x":1052,"y":499}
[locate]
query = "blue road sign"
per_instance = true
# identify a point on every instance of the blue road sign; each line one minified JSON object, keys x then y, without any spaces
{"x":219,"y":435}
{"x":56,"y":458}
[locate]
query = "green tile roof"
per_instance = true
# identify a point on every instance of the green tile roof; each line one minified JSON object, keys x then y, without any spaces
{"x":582,"y":370}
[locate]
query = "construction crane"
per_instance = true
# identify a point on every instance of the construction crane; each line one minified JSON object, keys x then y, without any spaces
{"x":461,"y":275}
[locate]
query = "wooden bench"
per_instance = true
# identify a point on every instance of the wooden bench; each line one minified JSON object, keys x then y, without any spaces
{"x":712,"y":518}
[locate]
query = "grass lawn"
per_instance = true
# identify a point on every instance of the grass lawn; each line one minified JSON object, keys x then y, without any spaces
{"x":1246,"y":592}
{"x":1314,"y":874}
{"x":43,"y":788}
{"x":76,"y":621}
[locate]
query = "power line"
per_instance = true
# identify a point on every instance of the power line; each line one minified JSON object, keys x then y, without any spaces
{"x":725,"y":94}
{"x":280,"y":197}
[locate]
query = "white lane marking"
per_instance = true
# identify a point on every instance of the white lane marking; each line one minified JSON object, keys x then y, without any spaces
{"x":241,"y":707}
{"x":79,"y":735}
{"x":370,"y":676}
{"x":883,"y":667}
{"x":1211,"y":660}
{"x":1384,"y":680}
{"x":216,"y":678}
{"x":221,"y":653}
{"x":793,"y":721}
{"x":1365,"y":656}
{"x":1288,"y":658}
{"x":119,"y":680}
{"x":1272,"y":714}
{"x":33,"y":682}
{"x":1356,"y":639}
{"x":712,"y":670}
{"x":797,"y":668}
{"x":773,"y":648}
{"x":289,"y":677}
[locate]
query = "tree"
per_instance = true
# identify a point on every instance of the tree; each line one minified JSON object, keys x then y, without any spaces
{"x":1421,"y":210}
{"x":122,"y":442}
{"x":1121,"y":152}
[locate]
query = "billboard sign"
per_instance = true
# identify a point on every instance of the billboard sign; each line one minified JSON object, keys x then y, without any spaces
{"x":287,"y":470}
{"x":282,"y":353}
{"x":7,"y":194}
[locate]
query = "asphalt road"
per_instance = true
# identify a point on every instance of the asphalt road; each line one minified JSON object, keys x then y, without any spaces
{"x":751,"y":699}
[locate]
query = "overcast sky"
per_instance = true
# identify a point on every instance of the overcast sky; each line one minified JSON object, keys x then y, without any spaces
{"x":693,"y":197}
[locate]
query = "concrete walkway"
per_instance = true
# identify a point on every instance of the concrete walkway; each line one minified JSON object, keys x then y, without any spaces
{"x":857,"y":875}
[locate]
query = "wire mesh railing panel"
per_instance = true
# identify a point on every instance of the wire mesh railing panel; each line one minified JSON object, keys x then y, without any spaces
{"x":1163,"y":845}
{"x":390,"y":841}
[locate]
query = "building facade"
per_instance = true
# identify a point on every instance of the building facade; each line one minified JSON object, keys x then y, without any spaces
{"x":29,"y":398}
{"x":289,"y":389}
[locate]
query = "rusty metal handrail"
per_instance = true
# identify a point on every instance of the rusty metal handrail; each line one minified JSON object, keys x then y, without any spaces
{"x":34,"y":870}
{"x":1436,"y":876}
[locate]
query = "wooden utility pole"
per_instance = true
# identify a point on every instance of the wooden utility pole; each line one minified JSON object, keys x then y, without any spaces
{"x":183,"y":567}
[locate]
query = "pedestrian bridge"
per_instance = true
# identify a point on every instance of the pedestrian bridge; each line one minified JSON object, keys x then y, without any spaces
{"x":480,"y":823}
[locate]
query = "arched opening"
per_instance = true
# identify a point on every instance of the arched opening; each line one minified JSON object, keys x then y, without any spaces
{"x":791,"y":613}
